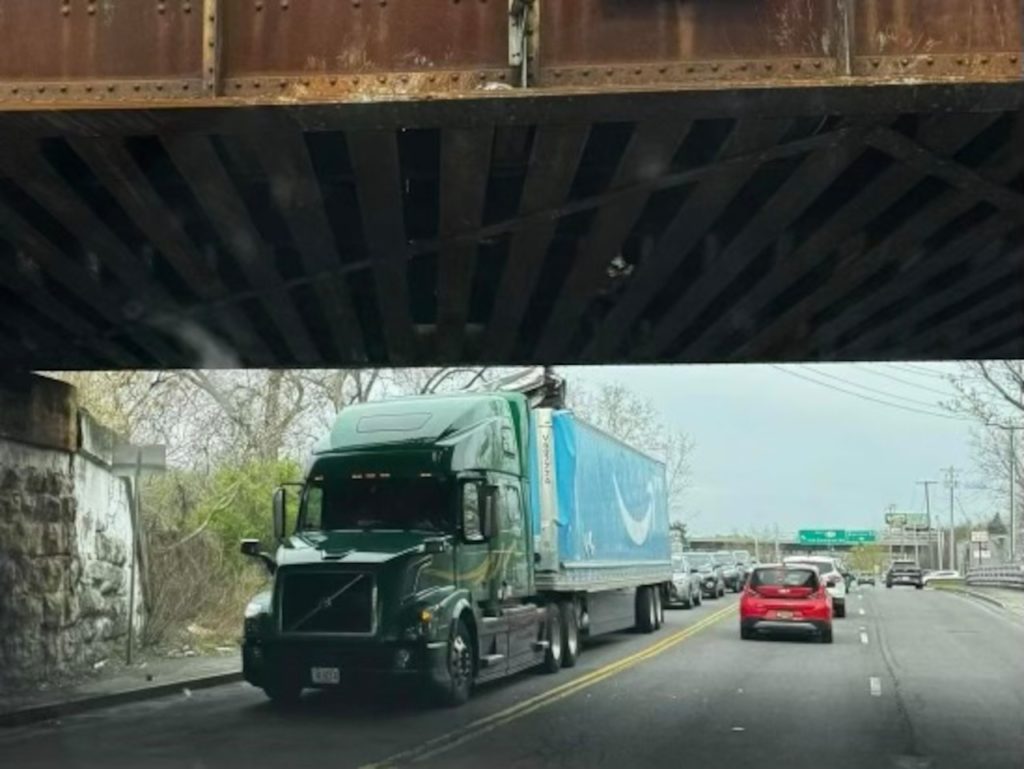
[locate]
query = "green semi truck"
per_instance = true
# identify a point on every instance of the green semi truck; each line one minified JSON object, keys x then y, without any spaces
{"x":455,"y":539}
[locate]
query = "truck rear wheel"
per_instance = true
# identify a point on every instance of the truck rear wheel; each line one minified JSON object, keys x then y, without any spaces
{"x":659,"y":607}
{"x":646,"y":614}
{"x":553,"y":635}
{"x":570,"y":633}
{"x":283,"y":693}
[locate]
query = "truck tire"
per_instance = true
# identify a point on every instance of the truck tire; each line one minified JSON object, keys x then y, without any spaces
{"x":839,"y":610}
{"x":553,"y":635}
{"x":570,"y":633}
{"x":698,"y":598}
{"x":659,"y":607}
{"x":646,"y":614}
{"x":457,"y":680}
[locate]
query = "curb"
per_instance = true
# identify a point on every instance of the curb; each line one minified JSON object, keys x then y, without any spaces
{"x":49,"y":711}
{"x":977,"y":596}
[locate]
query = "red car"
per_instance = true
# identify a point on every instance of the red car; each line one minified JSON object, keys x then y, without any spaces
{"x":786,"y":599}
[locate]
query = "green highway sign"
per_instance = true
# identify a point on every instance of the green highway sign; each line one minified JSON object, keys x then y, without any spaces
{"x":860,"y":535}
{"x":821,"y":536}
{"x":835,"y":536}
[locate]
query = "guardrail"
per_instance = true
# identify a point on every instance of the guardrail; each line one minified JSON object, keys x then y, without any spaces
{"x":1006,"y":575}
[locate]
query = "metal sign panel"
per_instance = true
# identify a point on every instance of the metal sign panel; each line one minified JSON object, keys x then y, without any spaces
{"x":821,"y":536}
{"x":860,"y":535}
{"x":979,"y":536}
{"x":910,"y":520}
{"x":129,"y":459}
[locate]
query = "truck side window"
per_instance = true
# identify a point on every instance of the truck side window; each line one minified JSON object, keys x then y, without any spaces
{"x":314,"y":506}
{"x":512,"y":511}
{"x":471,"y":512}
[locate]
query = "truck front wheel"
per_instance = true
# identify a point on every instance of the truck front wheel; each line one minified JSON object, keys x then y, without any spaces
{"x":456,"y":682}
{"x":553,"y":635}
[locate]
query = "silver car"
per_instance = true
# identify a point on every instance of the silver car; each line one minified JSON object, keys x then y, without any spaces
{"x":685,"y":589}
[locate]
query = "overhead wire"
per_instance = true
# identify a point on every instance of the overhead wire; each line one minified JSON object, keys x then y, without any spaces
{"x":883,"y":393}
{"x":869,"y":398}
{"x":907,"y":382}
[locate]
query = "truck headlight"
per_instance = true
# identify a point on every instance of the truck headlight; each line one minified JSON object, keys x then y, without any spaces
{"x":254,"y":609}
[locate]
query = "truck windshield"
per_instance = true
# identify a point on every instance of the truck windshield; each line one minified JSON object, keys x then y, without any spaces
{"x":699,"y":560}
{"x":336,"y":501}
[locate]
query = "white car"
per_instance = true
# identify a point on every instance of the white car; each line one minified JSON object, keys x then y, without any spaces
{"x":829,"y":571}
{"x":941,"y":575}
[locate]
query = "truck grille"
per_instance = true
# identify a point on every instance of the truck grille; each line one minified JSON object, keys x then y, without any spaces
{"x":334,"y":602}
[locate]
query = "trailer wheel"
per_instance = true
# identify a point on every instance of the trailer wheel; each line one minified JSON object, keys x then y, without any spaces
{"x":659,"y":607}
{"x":570,"y":633}
{"x":646,"y":614}
{"x":553,"y":635}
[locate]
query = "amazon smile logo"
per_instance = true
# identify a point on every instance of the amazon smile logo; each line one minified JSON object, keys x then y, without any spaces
{"x":637,"y":528}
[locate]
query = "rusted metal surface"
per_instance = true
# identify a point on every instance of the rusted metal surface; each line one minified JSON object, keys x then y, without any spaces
{"x":177,"y":51}
{"x":65,"y":41}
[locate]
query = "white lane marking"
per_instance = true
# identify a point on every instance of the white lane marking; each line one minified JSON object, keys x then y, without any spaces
{"x":864,"y":638}
{"x":861,"y":612}
{"x":738,"y":729}
{"x":875,"y":686}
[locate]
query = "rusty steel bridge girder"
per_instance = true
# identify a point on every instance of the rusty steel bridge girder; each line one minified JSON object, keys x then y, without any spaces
{"x":363,"y":182}
{"x":86,"y":52}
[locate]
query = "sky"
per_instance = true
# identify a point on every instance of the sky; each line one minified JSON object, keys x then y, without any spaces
{"x":773,"y":448}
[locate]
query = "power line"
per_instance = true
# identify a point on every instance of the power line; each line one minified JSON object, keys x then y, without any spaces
{"x":868,"y":397}
{"x":883,"y":393}
{"x":908,"y":383}
{"x":914,"y":369}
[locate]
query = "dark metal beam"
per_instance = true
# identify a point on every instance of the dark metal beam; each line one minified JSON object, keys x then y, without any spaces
{"x":873,"y":199}
{"x":694,"y":219}
{"x":374,"y":156}
{"x":281,"y":150}
{"x":203,"y":170}
{"x":814,"y":174}
{"x":649,"y":153}
{"x":465,"y":167}
{"x":553,"y":162}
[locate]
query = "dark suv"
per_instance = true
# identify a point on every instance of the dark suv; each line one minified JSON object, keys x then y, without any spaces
{"x":904,"y":573}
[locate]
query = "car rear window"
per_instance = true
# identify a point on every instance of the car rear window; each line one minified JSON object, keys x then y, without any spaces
{"x":784,"y":578}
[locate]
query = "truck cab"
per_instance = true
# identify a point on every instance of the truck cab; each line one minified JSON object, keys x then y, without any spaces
{"x":409,"y":535}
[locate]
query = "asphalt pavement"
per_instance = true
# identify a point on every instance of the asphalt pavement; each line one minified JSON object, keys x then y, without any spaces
{"x":914,"y":679}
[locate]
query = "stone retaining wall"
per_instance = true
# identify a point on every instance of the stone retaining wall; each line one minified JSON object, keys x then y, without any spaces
{"x":65,"y":541}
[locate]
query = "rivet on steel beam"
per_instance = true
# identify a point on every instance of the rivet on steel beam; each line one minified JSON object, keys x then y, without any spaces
{"x":984,"y":59}
{"x":714,"y":68}
{"x":691,"y":70}
{"x":41,"y":89}
{"x":796,"y":65}
{"x":817,"y":65}
{"x":662,"y":70}
{"x":284,"y":5}
{"x":159,"y":86}
{"x":66,"y":10}
{"x":136,"y":87}
{"x":931,"y":61}
{"x":91,"y":9}
{"x":110,"y":89}
{"x":282,"y":84}
{"x":333,"y":81}
{"x":432,"y":78}
{"x":237,"y":86}
{"x":88,"y":89}
{"x":307,"y":82}
{"x":355,"y":81}
{"x":638,"y":71}
{"x":63,"y":89}
{"x":768,"y":67}
{"x":586,"y":73}
{"x":14,"y":90}
{"x":904,"y":61}
{"x":187,"y":7}
{"x":383,"y":79}
{"x":875,"y":63}
{"x":961,"y":61}
{"x":255,"y":83}
{"x":1013,"y":58}
{"x":743,"y":67}
{"x":259,"y":5}
{"x":184,"y":86}
{"x":455,"y":78}
{"x":160,"y":8}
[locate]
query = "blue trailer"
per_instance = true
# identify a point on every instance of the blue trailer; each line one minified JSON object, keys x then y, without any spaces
{"x":600,"y":518}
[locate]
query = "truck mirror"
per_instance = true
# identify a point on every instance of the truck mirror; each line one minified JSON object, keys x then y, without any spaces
{"x":251,"y":548}
{"x":280,"y":513}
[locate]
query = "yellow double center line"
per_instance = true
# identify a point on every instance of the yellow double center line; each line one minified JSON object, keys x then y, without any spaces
{"x":471,"y":731}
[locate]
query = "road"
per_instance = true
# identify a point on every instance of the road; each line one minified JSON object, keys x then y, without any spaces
{"x":914,"y":679}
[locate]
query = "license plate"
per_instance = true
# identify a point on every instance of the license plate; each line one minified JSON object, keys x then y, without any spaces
{"x":784,"y":615}
{"x":325,"y":675}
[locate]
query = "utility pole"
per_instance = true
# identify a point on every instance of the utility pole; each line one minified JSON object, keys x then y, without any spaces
{"x":928,"y":521}
{"x":951,"y":484}
{"x":1012,"y":429}
{"x":892,"y":511}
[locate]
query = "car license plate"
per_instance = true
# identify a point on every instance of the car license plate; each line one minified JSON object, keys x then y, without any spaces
{"x":784,"y":615}
{"x":325,"y":675}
